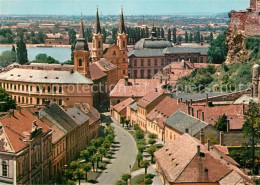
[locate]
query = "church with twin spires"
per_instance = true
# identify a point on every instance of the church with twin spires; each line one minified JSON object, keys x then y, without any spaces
{"x":116,"y":54}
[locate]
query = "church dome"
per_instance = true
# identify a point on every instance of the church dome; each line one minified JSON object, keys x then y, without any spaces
{"x":152,"y":43}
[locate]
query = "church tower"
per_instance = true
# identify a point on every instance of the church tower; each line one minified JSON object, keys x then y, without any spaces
{"x":97,"y":40}
{"x":81,"y":53}
{"x":122,"y":46}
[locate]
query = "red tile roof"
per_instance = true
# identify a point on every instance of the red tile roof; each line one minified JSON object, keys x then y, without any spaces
{"x":180,"y":162}
{"x":234,"y":114}
{"x":17,"y":127}
{"x":148,"y":98}
{"x":136,"y":88}
{"x":95,"y":72}
{"x":122,"y":105}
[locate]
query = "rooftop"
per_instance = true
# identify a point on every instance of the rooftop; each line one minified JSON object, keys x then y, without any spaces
{"x":45,"y":76}
{"x":77,"y":115}
{"x":152,"y":43}
{"x":148,"y":98}
{"x":122,"y":105}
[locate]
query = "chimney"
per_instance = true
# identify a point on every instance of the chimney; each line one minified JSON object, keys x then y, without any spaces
{"x":221,"y":138}
{"x":208,"y":145}
{"x":72,"y":71}
{"x":202,"y":137}
{"x":228,"y":125}
{"x":186,"y":130}
{"x":202,"y":116}
{"x":126,"y":80}
{"x":198,"y":150}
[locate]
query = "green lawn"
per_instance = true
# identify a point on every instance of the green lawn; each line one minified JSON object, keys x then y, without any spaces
{"x":136,"y":179}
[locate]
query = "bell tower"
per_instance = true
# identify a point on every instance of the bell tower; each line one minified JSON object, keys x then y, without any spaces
{"x":121,"y":35}
{"x":97,"y":40}
{"x":81,"y":53}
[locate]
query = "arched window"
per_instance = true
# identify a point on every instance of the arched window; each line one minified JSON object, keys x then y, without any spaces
{"x":94,"y":44}
{"x":99,"y":44}
{"x":114,"y":52}
{"x":4,"y":169}
{"x":80,"y":62}
{"x":123,"y":44}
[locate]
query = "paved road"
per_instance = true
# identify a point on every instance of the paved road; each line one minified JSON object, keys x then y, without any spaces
{"x":124,"y":157}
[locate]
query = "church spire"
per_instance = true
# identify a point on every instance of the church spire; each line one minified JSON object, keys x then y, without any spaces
{"x":97,"y":27}
{"x":121,"y":28}
{"x":81,"y":40}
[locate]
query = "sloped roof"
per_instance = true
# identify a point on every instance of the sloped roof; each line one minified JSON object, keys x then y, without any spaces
{"x":133,"y":106}
{"x":59,"y":117}
{"x":152,"y":43}
{"x":105,"y":65}
{"x":95,"y":72}
{"x":90,"y":111}
{"x":181,"y":163}
{"x":16,"y":128}
{"x":146,"y":53}
{"x":181,"y":121}
{"x":45,"y":76}
{"x":181,"y":49}
{"x":148,"y":98}
{"x":77,"y":115}
{"x":122,"y":105}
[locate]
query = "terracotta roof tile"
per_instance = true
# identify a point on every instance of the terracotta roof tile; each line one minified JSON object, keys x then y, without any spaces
{"x":95,"y":72}
{"x":122,"y":105}
{"x":148,"y":98}
{"x":17,"y":127}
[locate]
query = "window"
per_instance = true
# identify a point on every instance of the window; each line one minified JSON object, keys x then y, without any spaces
{"x":94,"y":44}
{"x":38,"y":101}
{"x":118,"y":101}
{"x":162,"y":61}
{"x":123,"y":44}
{"x":37,"y":88}
{"x":99,"y":44}
{"x":155,"y":71}
{"x":15,"y":87}
{"x":114,"y":52}
{"x":60,"y":90}
{"x":27,"y":87}
{"x":142,"y":73}
{"x":149,"y":62}
{"x":149,"y":73}
{"x":30,"y":100}
{"x":19,"y":87}
{"x":4,"y":169}
{"x":155,"y":62}
{"x":135,"y":62}
{"x":11,"y":86}
{"x":30,"y":88}
{"x":43,"y":89}
{"x":22,"y":99}
{"x":22,"y":87}
{"x":142,"y":62}
{"x":135,"y":73}
{"x":43,"y":101}
{"x":80,"y":62}
{"x":124,"y":72}
{"x":49,"y":89}
{"x":60,"y":101}
{"x":54,"y":89}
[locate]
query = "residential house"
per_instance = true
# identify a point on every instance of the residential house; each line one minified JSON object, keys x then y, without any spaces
{"x":120,"y":109}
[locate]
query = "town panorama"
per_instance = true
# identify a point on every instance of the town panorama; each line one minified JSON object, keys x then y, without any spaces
{"x":132,"y":93}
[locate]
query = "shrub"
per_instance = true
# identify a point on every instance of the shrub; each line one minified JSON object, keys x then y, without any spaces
{"x":148,"y":181}
{"x":139,"y":134}
{"x":152,"y":136}
{"x":151,"y":141}
{"x":149,"y":176}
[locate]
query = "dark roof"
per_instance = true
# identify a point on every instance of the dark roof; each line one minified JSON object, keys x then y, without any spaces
{"x":77,"y":115}
{"x":146,"y":53}
{"x":152,"y":43}
{"x":59,"y":117}
{"x":200,"y":49}
{"x":121,"y":28}
{"x":181,"y":121}
{"x":133,"y":106}
{"x":195,"y":96}
{"x":97,"y":27}
{"x":81,"y":43}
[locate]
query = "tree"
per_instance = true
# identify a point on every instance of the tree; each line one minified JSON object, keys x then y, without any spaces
{"x":93,"y":160}
{"x":125,"y":177}
{"x":72,"y":36}
{"x":13,"y":48}
{"x":174,"y":36}
{"x":190,"y":37}
{"x":43,"y":58}
{"x":211,"y":37}
{"x":221,"y":124}
{"x":40,"y":37}
{"x":141,"y":148}
{"x":152,"y":136}
{"x":7,"y":58}
{"x":186,"y":37}
{"x":151,"y":151}
{"x":197,"y":37}
{"x":104,"y":32}
{"x":21,"y":52}
{"x":122,"y":120}
{"x":72,"y":48}
{"x":139,"y":158}
{"x":139,"y":134}
{"x":145,"y":165}
{"x":151,"y":141}
{"x":6,"y":102}
{"x":78,"y":174}
{"x":201,"y":38}
{"x":179,"y":38}
{"x":85,"y":155}
{"x":86,"y":168}
{"x":251,"y":128}
{"x":162,"y":33}
{"x":127,"y":122}
{"x":218,"y":50}
{"x":169,"y":35}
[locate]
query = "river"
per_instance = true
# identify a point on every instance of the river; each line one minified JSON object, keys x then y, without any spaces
{"x":61,"y":54}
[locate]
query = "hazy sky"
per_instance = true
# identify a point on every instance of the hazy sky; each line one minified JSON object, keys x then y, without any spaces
{"x":112,"y":7}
